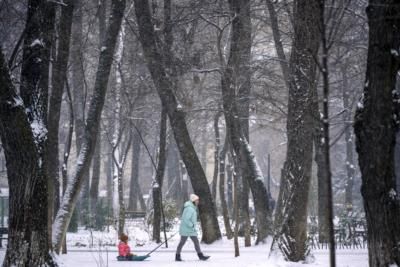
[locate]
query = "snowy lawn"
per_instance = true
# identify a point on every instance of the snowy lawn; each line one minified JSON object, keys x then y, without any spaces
{"x":84,"y":251}
{"x":222,"y":254}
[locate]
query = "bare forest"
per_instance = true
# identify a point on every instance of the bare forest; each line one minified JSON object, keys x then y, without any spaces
{"x":281,"y":117}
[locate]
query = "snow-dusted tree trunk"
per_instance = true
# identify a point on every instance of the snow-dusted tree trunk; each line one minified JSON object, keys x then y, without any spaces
{"x":92,"y":125}
{"x":59,"y":74}
{"x":28,"y":234}
{"x":118,"y":155}
{"x":291,"y":212}
{"x":216,"y":156}
{"x":234,"y":75}
{"x":165,"y":88}
{"x":23,"y":134}
{"x":96,"y":163}
{"x":376,"y":124}
{"x":222,"y":191}
{"x":349,"y":140}
{"x":119,"y":158}
{"x":67,"y":152}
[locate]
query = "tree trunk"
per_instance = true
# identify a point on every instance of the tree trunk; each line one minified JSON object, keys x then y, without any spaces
{"x":109,"y":183}
{"x":27,"y":226}
{"x":78,"y":87}
{"x":158,"y":183}
{"x":216,"y":157}
{"x":77,"y":73}
{"x":224,"y":206}
{"x":291,"y":213}
{"x":134,"y":183}
{"x":208,"y":216}
{"x":348,"y":135}
{"x":59,"y":75}
{"x":67,"y":151}
{"x":23,"y":135}
{"x":92,"y":126}
{"x":94,"y":186}
{"x":174,"y":173}
{"x":321,"y":173}
{"x":229,"y":182}
{"x":236,"y":212}
{"x":375,"y":129}
{"x":233,"y":76}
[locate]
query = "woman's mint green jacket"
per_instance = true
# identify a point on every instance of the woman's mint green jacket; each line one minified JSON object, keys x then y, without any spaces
{"x":189,"y":220}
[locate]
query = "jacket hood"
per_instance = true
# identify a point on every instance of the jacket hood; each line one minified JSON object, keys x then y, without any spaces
{"x":189,"y":204}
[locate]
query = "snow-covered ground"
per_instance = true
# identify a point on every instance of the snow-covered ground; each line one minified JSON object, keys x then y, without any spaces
{"x":98,"y":249}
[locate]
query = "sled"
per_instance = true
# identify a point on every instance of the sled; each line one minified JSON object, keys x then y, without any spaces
{"x":133,"y":258}
{"x":142,"y":258}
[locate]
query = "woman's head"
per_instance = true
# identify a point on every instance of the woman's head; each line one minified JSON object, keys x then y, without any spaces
{"x":194,"y":198}
{"x":123,"y":238}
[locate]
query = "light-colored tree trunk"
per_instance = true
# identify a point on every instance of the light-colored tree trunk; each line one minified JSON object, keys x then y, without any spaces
{"x":92,"y":126}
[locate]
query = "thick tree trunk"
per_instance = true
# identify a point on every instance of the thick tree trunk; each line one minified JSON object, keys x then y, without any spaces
{"x":291,"y":213}
{"x":23,"y":135}
{"x":92,"y":126}
{"x":28,"y":234}
{"x":375,"y":129}
{"x":158,"y":183}
{"x":208,"y":216}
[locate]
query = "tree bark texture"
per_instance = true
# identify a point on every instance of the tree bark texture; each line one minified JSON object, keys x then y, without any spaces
{"x":23,"y":134}
{"x":134,"y":188}
{"x":349,"y":140}
{"x":238,"y":57}
{"x":174,"y":173}
{"x":291,"y":213}
{"x":321,"y":174}
{"x":59,"y":75}
{"x":222,"y":191}
{"x":158,"y":183}
{"x":216,"y":156}
{"x":92,"y":125}
{"x":208,"y":215}
{"x":375,"y":128}
{"x":27,"y":225}
{"x":94,"y":186}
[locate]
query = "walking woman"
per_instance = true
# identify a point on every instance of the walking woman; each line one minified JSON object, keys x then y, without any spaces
{"x":188,"y":228}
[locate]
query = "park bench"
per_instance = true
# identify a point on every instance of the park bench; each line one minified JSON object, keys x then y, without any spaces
{"x":3,"y":231}
{"x":131,"y":214}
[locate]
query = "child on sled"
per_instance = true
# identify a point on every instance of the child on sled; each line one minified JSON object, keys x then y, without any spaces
{"x":124,"y":250}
